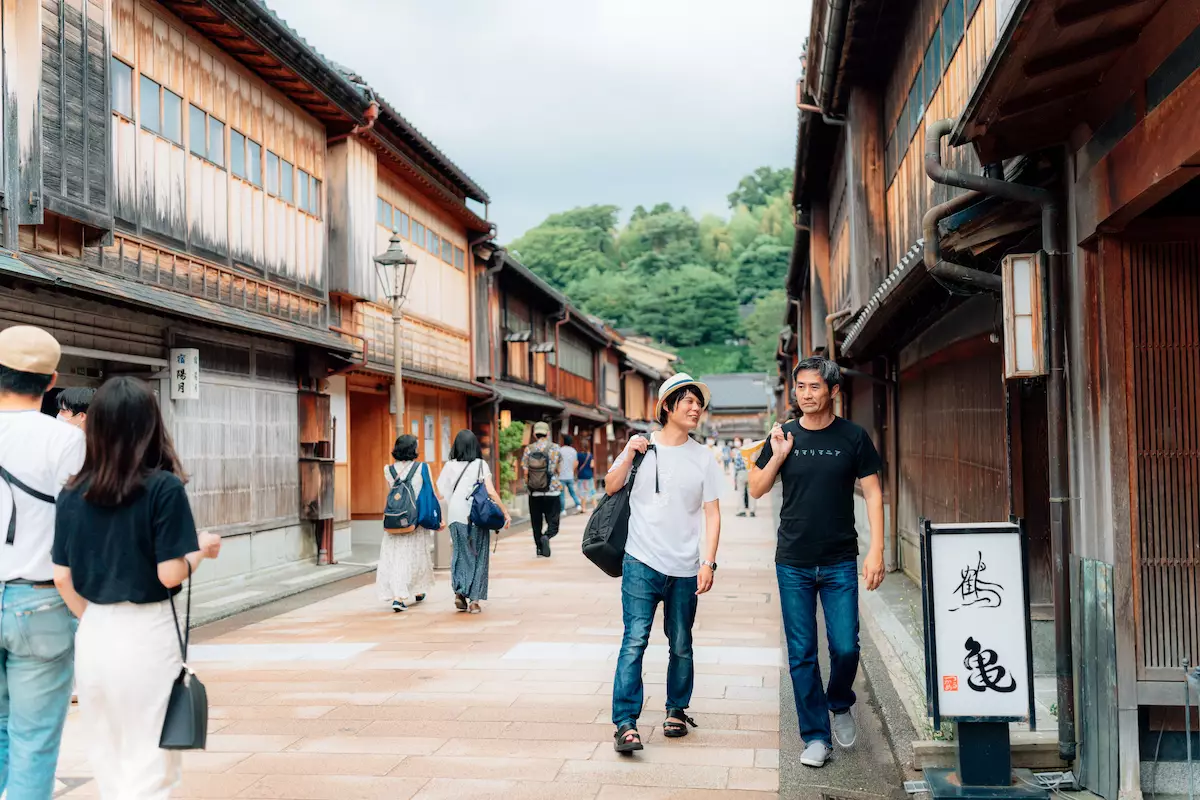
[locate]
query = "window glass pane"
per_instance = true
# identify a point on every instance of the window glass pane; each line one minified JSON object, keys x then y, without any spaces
{"x":237,"y":153}
{"x":447,"y":252}
{"x":952,"y":30}
{"x":459,"y":257}
{"x":285,"y":181}
{"x":302,"y":187}
{"x":148,"y":105}
{"x":197,"y":131}
{"x":916,"y":105}
{"x":254,"y":161}
{"x":314,"y":196}
{"x":172,"y":116}
{"x":383,"y":213}
{"x":272,"y":173}
{"x":402,"y":223}
{"x":122,"y":88}
{"x":418,"y":234}
{"x":933,"y":65}
{"x":971,"y":6}
{"x":216,"y":141}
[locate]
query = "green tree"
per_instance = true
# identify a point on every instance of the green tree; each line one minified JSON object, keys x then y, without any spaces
{"x":763,"y":326}
{"x":511,"y":440}
{"x":608,"y":296}
{"x":689,"y":306}
{"x":570,"y":245}
{"x":757,"y":188}
{"x":761,"y":268}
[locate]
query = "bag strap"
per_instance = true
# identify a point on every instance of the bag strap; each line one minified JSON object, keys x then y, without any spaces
{"x":480,"y":478}
{"x":460,"y":477}
{"x":411,"y":472}
{"x":12,"y":481}
{"x":186,"y":635}
{"x":394,"y":474}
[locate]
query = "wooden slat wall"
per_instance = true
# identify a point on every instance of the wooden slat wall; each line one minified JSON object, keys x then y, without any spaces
{"x":427,"y":346}
{"x":170,"y":191}
{"x":1164,"y":321}
{"x":571,"y":387}
{"x":951,"y":434}
{"x":635,"y":397}
{"x":911,"y":193}
{"x":837,"y":289}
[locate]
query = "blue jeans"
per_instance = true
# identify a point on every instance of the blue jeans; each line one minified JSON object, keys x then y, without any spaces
{"x":568,"y":485}
{"x":642,"y":589}
{"x":37,"y":665}
{"x":837,"y":586}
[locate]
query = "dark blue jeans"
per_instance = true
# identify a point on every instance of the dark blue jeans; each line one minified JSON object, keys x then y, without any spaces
{"x":642,"y":589}
{"x":837,"y":586}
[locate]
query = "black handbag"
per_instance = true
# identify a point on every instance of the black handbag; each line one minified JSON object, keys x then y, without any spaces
{"x":608,"y":529}
{"x":186,"y":723}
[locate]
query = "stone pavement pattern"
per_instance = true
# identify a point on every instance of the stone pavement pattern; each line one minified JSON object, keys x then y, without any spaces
{"x":343,"y":699}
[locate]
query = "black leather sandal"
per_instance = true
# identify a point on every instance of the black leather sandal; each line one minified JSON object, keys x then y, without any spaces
{"x":627,"y":739}
{"x":677,"y":730}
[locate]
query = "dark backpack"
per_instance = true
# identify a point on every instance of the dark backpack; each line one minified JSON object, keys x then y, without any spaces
{"x":608,"y":529}
{"x":484,"y":513}
{"x":537,"y":473}
{"x":400,"y":513}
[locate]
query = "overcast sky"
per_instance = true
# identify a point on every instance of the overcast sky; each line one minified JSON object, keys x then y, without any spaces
{"x":552,"y":104}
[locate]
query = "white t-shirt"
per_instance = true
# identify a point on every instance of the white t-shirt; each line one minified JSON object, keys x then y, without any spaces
{"x":458,"y":502}
{"x":566,"y":472}
{"x":402,"y":468}
{"x":665,"y":528}
{"x":43,"y":453}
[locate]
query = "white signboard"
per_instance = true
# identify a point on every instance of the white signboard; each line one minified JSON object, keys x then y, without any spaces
{"x":978,"y":620}
{"x":185,"y":373}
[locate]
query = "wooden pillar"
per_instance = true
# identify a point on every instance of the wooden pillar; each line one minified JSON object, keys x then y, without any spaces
{"x":866,"y":212}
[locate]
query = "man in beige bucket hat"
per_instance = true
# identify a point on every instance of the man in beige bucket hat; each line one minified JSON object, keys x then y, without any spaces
{"x":38,"y":454}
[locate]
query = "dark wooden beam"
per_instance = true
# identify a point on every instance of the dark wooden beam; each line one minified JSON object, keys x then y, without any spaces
{"x":1083,"y":10}
{"x":1051,"y":95}
{"x":1084,"y":51}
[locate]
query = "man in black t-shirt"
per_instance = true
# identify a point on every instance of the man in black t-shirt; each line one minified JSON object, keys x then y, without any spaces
{"x":819,"y":458}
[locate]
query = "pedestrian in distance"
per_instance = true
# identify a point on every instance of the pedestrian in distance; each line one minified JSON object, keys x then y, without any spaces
{"x":124,"y":543}
{"x":819,"y":457}
{"x":470,"y":556}
{"x":542,"y":464}
{"x":73,"y":405}
{"x":586,"y":482}
{"x":674,"y":515}
{"x":747,"y":504}
{"x":405,"y":571}
{"x":38,"y":455}
{"x":568,"y":472}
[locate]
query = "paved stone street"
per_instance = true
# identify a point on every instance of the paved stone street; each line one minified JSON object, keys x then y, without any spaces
{"x":344,"y":699}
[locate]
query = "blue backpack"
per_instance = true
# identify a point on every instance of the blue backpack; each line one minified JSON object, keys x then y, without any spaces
{"x":429,"y":510}
{"x":400,"y":513}
{"x":485,"y":513}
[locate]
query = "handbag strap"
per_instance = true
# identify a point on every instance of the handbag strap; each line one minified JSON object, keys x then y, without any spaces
{"x":12,"y":481}
{"x":460,"y":477}
{"x":186,"y":635}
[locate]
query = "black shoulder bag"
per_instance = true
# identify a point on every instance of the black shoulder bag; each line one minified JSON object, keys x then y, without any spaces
{"x":186,"y":723}
{"x":608,"y":529}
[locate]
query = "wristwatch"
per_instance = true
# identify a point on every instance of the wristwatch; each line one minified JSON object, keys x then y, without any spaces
{"x":710,"y":564}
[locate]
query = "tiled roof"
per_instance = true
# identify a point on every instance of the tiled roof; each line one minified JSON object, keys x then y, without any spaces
{"x":911,"y":260}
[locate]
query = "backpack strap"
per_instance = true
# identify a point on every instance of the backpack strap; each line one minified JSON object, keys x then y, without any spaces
{"x":13,"y":482}
{"x":408,"y":479}
{"x":392,"y":472}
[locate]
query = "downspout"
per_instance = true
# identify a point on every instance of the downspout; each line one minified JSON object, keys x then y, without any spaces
{"x":566,"y":315}
{"x":836,"y":13}
{"x":348,"y":367}
{"x":830,"y":344}
{"x":936,"y":264}
{"x":494,"y":330}
{"x":1056,"y":411}
{"x":894,"y":476}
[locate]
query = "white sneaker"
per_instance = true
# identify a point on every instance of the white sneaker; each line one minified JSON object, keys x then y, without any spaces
{"x":845,"y":731}
{"x":816,"y":754}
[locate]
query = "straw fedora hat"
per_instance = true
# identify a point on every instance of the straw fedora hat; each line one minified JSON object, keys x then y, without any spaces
{"x":673,"y":385}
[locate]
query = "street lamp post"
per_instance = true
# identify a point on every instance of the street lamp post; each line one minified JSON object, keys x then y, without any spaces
{"x":403,"y":267}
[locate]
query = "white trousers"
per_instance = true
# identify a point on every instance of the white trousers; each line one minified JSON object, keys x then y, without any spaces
{"x":126,"y":659}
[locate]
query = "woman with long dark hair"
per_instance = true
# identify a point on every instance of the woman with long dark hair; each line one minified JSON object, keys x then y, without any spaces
{"x":124,"y":542}
{"x":405,"y":570}
{"x":470,"y":556}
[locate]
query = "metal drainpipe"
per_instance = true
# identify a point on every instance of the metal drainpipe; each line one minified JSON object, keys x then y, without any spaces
{"x":836,"y":12}
{"x":566,"y":315}
{"x":936,"y":264}
{"x":830,"y":344}
{"x":894,"y":446}
{"x":1056,"y":408}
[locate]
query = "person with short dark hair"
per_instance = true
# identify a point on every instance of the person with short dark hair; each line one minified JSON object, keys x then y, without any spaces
{"x":405,"y":570}
{"x":470,"y":556}
{"x":674,"y":511}
{"x":542,"y":464}
{"x":567,"y":471}
{"x":73,"y":405}
{"x":38,"y":455}
{"x":819,"y":458}
{"x":124,"y":543}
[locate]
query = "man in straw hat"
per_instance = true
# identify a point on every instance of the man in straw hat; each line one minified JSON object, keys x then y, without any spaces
{"x":819,"y":458}
{"x":673,"y":512}
{"x":542,"y":464}
{"x":38,"y":454}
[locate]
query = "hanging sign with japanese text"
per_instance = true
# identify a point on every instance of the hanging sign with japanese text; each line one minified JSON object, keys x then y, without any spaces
{"x":185,"y":373}
{"x":977,"y":635}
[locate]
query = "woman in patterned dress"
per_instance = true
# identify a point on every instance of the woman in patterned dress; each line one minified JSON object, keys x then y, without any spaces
{"x":405,"y":569}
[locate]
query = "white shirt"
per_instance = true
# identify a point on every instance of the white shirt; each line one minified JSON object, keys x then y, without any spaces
{"x":43,"y":453}
{"x":458,"y":501}
{"x":570,"y":458}
{"x":665,"y":528}
{"x":402,"y":468}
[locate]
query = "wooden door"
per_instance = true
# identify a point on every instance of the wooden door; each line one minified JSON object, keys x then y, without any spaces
{"x":371,"y":438}
{"x":1163,"y":320}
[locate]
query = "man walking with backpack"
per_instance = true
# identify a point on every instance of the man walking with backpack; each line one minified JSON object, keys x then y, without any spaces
{"x":674,"y":511}
{"x":38,"y":454}
{"x":542,"y":463}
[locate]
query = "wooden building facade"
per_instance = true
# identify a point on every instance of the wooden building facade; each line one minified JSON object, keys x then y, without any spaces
{"x":1074,"y":124}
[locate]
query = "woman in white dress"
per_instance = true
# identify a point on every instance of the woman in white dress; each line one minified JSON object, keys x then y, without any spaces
{"x":405,"y":566}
